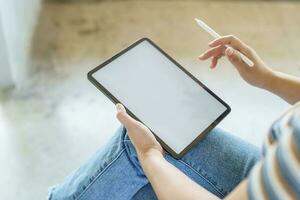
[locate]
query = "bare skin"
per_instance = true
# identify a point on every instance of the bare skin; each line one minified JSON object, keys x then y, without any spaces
{"x":260,"y":75}
{"x":167,"y":181}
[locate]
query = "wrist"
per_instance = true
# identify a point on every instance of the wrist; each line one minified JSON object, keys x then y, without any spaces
{"x":152,"y":162}
{"x":150,"y":155}
{"x":270,"y":79}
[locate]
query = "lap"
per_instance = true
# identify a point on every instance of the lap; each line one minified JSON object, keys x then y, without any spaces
{"x":218,"y":163}
{"x":223,"y":159}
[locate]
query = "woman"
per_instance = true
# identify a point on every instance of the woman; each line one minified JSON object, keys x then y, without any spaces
{"x":134,"y":165}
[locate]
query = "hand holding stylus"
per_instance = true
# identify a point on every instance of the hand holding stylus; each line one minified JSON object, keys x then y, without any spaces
{"x":214,"y":34}
{"x":258,"y":75}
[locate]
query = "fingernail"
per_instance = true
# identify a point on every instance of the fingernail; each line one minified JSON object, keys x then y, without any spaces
{"x":119,"y":107}
{"x":201,"y":56}
{"x":229,"y":51}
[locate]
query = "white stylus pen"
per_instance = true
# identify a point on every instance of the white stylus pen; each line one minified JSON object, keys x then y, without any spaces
{"x":216,"y":35}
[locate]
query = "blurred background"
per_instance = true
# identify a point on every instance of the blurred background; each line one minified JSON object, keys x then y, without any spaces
{"x":52,"y":119}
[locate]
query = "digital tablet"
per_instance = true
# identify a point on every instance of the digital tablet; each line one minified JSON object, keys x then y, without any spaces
{"x":161,"y":94}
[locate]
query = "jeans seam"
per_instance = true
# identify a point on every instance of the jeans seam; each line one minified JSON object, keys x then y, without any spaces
{"x":98,"y":175}
{"x":210,"y":183}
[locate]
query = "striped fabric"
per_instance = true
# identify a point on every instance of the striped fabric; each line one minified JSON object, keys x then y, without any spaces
{"x":277,"y":175}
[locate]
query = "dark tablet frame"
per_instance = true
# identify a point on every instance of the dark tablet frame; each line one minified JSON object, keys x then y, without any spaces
{"x":115,"y":100}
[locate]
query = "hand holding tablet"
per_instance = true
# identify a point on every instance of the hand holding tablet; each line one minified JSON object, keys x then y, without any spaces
{"x":141,"y":137}
{"x":158,"y":92}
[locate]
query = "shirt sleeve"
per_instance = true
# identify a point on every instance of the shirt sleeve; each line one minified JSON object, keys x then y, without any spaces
{"x":277,"y":175}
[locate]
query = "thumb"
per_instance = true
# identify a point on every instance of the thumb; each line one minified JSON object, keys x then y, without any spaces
{"x":124,"y":118}
{"x":234,"y":57}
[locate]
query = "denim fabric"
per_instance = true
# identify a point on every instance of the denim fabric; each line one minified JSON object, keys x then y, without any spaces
{"x":218,"y":163}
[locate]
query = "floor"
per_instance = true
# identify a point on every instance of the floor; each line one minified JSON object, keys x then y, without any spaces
{"x":58,"y":119}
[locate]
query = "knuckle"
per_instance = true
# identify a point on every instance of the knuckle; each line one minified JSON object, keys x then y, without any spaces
{"x":130,"y":125}
{"x":119,"y":115}
{"x":139,"y":124}
{"x":232,"y":37}
{"x":249,"y":49}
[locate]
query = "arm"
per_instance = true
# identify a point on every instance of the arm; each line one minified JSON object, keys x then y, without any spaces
{"x":170,"y":183}
{"x":285,"y":86}
{"x":260,"y":75}
{"x":167,"y":181}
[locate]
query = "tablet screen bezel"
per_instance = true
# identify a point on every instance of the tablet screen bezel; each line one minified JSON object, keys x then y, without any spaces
{"x":115,"y":100}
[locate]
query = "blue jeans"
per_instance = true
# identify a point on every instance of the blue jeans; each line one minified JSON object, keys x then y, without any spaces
{"x":218,"y":163}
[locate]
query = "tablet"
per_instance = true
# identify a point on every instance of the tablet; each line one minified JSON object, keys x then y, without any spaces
{"x":161,"y":94}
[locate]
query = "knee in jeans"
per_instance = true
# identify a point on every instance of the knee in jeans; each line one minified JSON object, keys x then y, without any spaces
{"x":77,"y":182}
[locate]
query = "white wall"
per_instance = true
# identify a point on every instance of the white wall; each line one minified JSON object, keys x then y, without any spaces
{"x":5,"y":73}
{"x":18,"y":19}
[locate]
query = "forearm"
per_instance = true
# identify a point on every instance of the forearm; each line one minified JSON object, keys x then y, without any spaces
{"x":285,"y":86}
{"x":170,"y":183}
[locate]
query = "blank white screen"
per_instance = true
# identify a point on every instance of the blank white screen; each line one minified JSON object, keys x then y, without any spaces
{"x":161,"y":95}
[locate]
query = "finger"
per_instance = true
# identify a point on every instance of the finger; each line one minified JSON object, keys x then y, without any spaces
{"x":214,"y":62}
{"x":235,"y":58}
{"x":124,"y":118}
{"x":231,"y":41}
{"x":213,"y":52}
{"x":137,"y":132}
